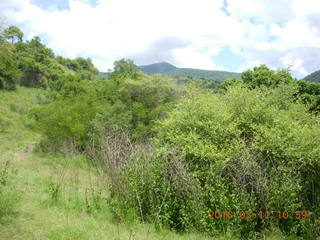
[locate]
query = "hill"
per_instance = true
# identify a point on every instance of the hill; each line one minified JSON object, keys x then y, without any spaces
{"x":162,"y":68}
{"x":169,"y":69}
{"x":313,"y":77}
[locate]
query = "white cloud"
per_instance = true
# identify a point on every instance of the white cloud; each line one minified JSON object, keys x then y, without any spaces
{"x":282,"y":33}
{"x":193,"y":57}
{"x":261,"y":10}
{"x":294,"y":64}
{"x":187,"y":33}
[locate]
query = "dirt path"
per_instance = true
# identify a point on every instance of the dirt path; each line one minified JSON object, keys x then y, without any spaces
{"x":25,"y":154}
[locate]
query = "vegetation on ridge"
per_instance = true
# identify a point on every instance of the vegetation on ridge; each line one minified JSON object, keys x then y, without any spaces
{"x":167,"y":151}
{"x":313,"y":77}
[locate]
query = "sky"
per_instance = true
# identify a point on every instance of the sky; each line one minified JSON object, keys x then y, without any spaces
{"x":230,"y":35}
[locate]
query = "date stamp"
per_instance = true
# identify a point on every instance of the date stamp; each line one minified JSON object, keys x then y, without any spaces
{"x":260,"y":214}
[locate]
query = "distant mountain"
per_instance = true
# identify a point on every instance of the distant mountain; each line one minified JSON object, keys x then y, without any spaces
{"x":169,"y":69}
{"x":162,"y":68}
{"x":313,"y":77}
{"x":103,"y":74}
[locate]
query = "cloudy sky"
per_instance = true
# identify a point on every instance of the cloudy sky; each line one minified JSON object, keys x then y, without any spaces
{"x":231,"y":35}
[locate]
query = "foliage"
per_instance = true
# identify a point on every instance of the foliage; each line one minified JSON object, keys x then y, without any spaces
{"x":38,"y":65}
{"x":66,"y":120}
{"x":13,"y":33}
{"x":172,"y":155}
{"x":168,"y":69}
{"x":313,"y":77}
{"x":80,"y":110}
{"x":125,"y":66}
{"x":229,"y":82}
{"x":263,"y":76}
{"x":9,"y":72}
{"x":199,"y":82}
{"x":54,"y":191}
{"x":242,"y":150}
{"x":309,"y":92}
{"x":83,"y":68}
{"x":69,"y":63}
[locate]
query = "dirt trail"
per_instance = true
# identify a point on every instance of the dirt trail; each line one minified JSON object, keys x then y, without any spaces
{"x":25,"y":154}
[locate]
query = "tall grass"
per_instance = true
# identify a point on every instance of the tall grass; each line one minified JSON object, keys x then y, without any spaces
{"x":9,"y":197}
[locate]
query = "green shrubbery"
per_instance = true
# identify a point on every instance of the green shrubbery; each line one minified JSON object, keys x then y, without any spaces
{"x":264,"y":76}
{"x":32,"y":64}
{"x":173,"y":154}
{"x":64,"y":121}
{"x":253,"y":146}
{"x":83,"y":112}
{"x":243,"y":150}
{"x":9,"y":72}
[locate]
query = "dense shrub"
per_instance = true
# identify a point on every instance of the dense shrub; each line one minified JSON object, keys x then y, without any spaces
{"x":309,"y":92}
{"x":9,"y":72}
{"x":264,"y":76}
{"x":36,"y":63}
{"x":242,"y":150}
{"x":84,"y":111}
{"x":66,"y":120}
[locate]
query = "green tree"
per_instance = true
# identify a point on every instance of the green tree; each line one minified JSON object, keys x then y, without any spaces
{"x":125,"y":66}
{"x":264,"y":76}
{"x":309,"y":92}
{"x":9,"y":72}
{"x":86,"y":64}
{"x":229,"y":82}
{"x":37,"y":63}
{"x":13,"y":33}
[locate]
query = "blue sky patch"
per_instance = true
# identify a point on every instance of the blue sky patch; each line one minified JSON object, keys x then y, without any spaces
{"x":60,"y":4}
{"x":225,"y":7}
{"x":49,"y":4}
{"x":228,"y":59}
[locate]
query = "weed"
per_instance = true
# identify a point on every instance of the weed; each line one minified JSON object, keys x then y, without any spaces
{"x":54,"y":190}
{"x":4,"y":174}
{"x":9,"y":198}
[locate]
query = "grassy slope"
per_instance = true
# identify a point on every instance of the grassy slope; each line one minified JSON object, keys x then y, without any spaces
{"x":56,"y":191}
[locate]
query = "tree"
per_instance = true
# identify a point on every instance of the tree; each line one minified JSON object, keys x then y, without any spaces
{"x":309,"y":92}
{"x":37,"y":63}
{"x":263,"y":76}
{"x":229,"y":82}
{"x":125,"y":66}
{"x":13,"y":33}
{"x":9,"y":72}
{"x":86,"y":64}
{"x":1,"y":29}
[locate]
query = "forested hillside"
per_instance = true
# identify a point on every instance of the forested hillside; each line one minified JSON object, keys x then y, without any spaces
{"x":185,"y":157}
{"x":313,"y":77}
{"x":169,"y":69}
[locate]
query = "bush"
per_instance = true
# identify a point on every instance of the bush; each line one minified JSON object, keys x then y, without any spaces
{"x":242,"y":150}
{"x":66,"y":120}
{"x":9,"y":72}
{"x":84,"y":111}
{"x":263,"y":76}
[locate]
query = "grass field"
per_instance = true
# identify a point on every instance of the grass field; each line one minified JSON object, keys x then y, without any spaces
{"x":56,"y":197}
